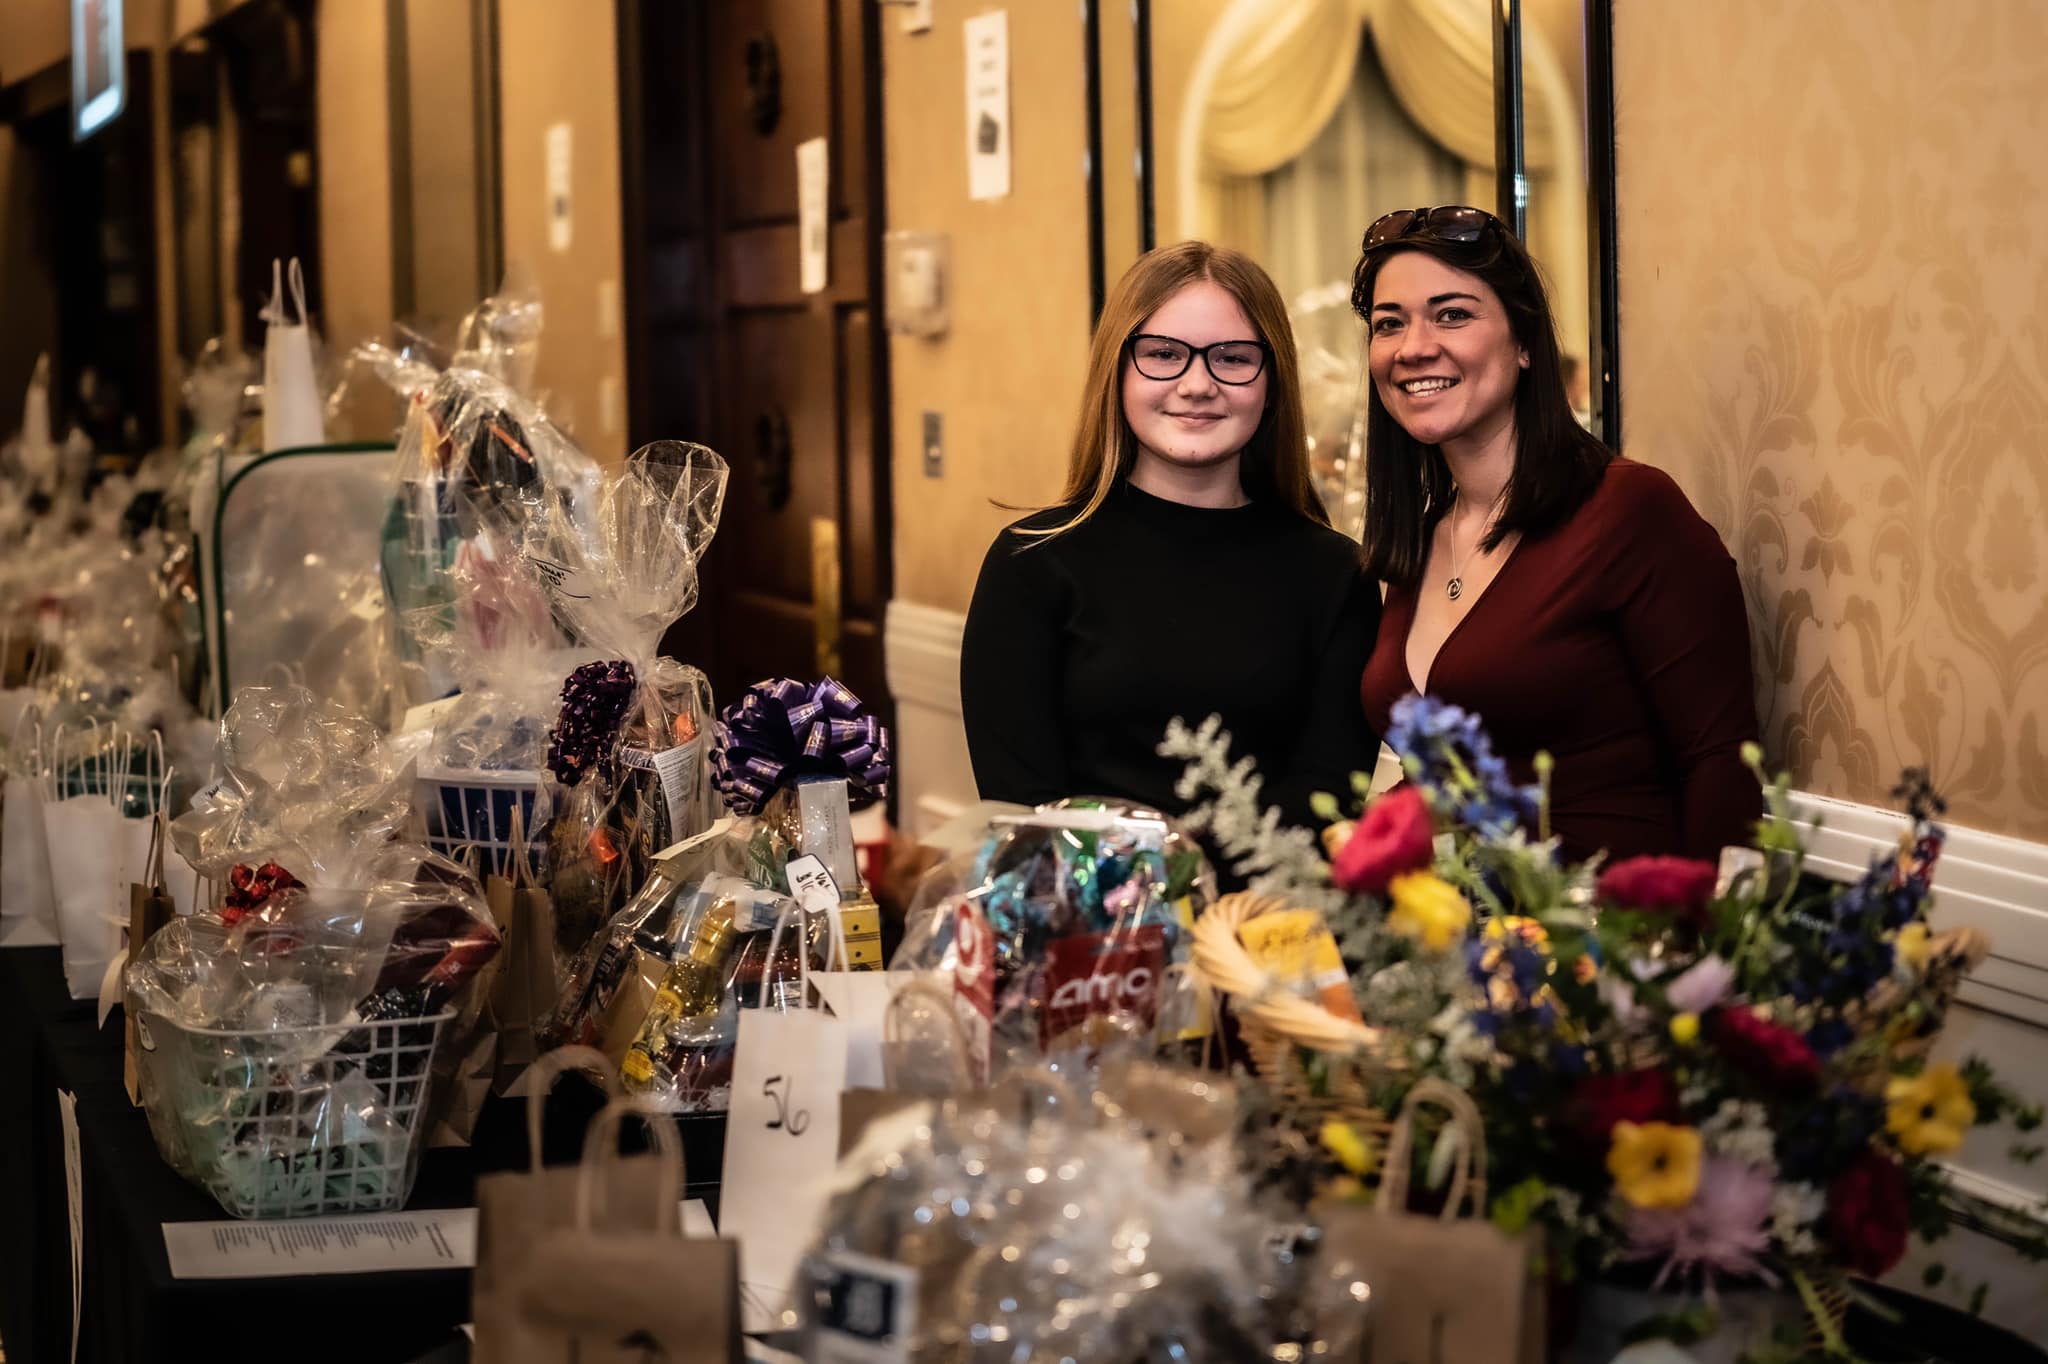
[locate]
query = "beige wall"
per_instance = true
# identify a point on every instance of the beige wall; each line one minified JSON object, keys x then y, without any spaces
{"x":33,"y":34}
{"x":1833,"y":293}
{"x":354,"y":154}
{"x":1006,"y":377}
{"x":559,"y":62}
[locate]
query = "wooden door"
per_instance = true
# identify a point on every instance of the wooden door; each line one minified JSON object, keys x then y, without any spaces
{"x":724,"y":346}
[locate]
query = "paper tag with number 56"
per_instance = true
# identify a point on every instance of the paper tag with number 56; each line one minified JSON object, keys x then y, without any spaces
{"x":781,"y":1143}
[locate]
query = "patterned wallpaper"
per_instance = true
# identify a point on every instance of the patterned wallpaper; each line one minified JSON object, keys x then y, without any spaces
{"x":1834,"y":317}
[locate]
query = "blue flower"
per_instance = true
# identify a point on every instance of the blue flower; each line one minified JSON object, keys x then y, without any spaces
{"x":1528,"y":967}
{"x":1829,"y":1036}
{"x":1446,"y":750}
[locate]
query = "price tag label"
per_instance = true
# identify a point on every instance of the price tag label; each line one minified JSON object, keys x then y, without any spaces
{"x":867,"y":1309}
{"x":811,"y":885}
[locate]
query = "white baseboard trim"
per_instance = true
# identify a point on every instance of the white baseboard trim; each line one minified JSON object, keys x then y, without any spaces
{"x":1984,"y":881}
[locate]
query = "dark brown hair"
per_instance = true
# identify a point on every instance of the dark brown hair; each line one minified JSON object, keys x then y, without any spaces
{"x":1558,"y":463}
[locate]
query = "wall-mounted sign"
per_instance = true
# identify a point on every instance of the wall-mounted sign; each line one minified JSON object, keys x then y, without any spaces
{"x":99,"y":85}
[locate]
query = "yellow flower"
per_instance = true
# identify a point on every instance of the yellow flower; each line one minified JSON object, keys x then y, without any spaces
{"x":1526,"y":930}
{"x":1654,"y":1164}
{"x":1343,"y":1141}
{"x":1428,"y":909}
{"x":1929,"y":1112}
{"x":1911,"y":945}
{"x":1685,"y":1029}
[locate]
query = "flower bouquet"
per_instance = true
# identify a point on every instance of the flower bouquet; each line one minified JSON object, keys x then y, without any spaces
{"x":1692,"y":1077}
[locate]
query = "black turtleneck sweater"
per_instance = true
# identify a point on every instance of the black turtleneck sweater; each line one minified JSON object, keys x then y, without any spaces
{"x":1079,"y":649}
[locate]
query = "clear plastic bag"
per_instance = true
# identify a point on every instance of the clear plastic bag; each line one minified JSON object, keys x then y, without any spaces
{"x":1038,"y":1223}
{"x":621,"y":569}
{"x":1081,"y":912}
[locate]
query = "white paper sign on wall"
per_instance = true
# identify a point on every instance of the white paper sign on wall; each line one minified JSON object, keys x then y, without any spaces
{"x":560,"y":138}
{"x":988,"y":105}
{"x":813,"y":214}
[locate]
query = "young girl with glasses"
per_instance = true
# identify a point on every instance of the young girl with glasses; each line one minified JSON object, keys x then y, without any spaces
{"x":1571,"y":598}
{"x":1188,"y":569}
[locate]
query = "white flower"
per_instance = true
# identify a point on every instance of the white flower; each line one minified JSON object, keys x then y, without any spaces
{"x":1741,"y":1131}
{"x":1795,"y":1208}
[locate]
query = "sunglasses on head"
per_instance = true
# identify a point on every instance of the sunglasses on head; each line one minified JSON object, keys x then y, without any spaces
{"x":1450,"y":223}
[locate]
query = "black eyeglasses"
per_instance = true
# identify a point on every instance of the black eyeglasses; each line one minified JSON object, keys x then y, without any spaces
{"x":1168,"y":357}
{"x":1450,"y":223}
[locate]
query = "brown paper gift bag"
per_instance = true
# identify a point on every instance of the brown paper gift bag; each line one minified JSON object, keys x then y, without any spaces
{"x":1448,"y":1289}
{"x":149,"y":908}
{"x":523,"y":994}
{"x":590,"y":1265}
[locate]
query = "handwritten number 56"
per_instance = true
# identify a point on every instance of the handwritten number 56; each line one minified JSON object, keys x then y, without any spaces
{"x":794,"y":1123}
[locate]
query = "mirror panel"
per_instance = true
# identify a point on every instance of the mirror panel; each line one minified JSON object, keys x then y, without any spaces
{"x":1283,"y":127}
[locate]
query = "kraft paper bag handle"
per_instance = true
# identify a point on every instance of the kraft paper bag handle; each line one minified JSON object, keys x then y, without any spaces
{"x":803,"y":953}
{"x":892,"y":1036}
{"x":601,"y":1155}
{"x":520,"y":854}
{"x":549,"y":1069}
{"x":1467,"y":1128}
{"x":160,"y":828}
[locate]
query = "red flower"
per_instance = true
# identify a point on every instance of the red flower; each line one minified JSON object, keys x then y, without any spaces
{"x":1598,"y":1102}
{"x":250,"y":887}
{"x":1676,"y":883}
{"x":1866,"y":1216}
{"x":1770,"y":1052}
{"x":1396,"y":835}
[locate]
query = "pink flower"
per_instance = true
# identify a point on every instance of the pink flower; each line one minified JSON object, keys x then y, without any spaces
{"x":1700,"y":986}
{"x":1396,"y":835}
{"x":1724,"y":1230}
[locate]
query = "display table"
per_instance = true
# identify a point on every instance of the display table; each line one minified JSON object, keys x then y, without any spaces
{"x":133,"y":1310}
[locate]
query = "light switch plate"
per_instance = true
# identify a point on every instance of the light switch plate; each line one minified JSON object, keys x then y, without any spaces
{"x":916,"y":16}
{"x":934,"y":445}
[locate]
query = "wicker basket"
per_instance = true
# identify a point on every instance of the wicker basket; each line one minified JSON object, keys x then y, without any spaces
{"x":1323,"y":1067}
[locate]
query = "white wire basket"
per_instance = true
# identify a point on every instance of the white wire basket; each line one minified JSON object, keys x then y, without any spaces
{"x":291,"y":1122}
{"x":472,"y":808}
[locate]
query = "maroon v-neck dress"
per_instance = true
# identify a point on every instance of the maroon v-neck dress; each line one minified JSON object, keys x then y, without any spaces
{"x":1619,"y":643}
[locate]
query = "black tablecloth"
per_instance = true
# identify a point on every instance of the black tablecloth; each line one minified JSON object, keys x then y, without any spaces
{"x":133,"y":1311}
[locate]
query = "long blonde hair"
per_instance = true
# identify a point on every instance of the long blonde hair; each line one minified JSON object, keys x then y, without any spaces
{"x":1274,"y":463}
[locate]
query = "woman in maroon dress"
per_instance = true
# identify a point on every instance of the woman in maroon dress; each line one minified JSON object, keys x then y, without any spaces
{"x":1571,"y":598}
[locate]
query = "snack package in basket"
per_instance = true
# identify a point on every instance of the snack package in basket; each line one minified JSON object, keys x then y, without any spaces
{"x":621,"y":568}
{"x":661,"y":987}
{"x":1067,"y":932}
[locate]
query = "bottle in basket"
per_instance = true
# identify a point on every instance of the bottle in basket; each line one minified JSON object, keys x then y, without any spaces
{"x":693,"y":991}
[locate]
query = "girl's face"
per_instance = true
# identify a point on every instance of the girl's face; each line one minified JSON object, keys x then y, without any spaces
{"x":1194,"y":421}
{"x":1443,"y":359}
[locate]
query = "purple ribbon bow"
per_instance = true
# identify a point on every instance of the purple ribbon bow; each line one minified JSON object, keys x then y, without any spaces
{"x":781,"y":731}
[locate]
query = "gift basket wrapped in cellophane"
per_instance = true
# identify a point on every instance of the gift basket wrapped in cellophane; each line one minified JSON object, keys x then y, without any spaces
{"x":479,"y":461}
{"x":630,"y":747}
{"x":660,"y":987}
{"x":291,"y":1035}
{"x":1068,"y":929}
{"x":1039,"y":1221}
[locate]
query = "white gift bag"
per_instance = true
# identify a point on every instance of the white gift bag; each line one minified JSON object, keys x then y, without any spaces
{"x":293,"y":411}
{"x":28,"y":911}
{"x":781,"y":1144}
{"x":95,"y":853}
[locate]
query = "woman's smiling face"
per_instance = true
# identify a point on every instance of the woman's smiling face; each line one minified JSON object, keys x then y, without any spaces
{"x":1442,"y":356}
